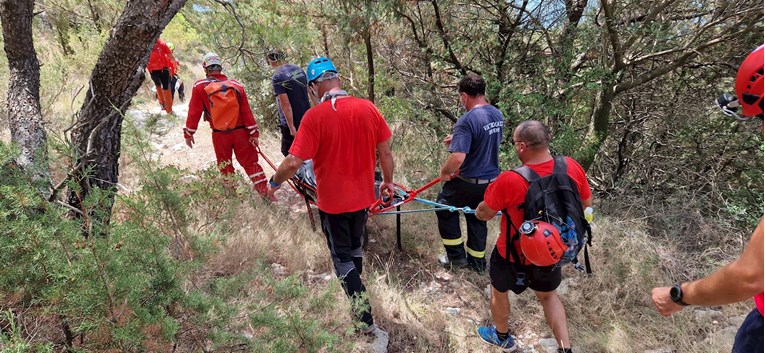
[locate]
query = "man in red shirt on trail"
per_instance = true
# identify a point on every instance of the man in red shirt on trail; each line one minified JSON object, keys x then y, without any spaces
{"x":230,"y":117}
{"x":160,"y":62}
{"x":531,"y":140}
{"x":341,"y":135}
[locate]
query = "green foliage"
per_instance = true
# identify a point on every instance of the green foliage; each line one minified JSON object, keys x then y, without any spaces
{"x":265,"y":25}
{"x":130,"y":290}
{"x":284,"y":327}
{"x":667,"y":157}
{"x":117,"y":286}
{"x":184,"y":37}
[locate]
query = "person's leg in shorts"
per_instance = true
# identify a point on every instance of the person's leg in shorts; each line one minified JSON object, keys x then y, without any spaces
{"x":503,"y":279}
{"x":544,"y":281}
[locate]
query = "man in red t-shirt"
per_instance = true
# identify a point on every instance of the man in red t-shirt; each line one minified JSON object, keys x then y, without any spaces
{"x":341,"y":135}
{"x":531,"y":140}
{"x":241,"y":139}
{"x":160,"y":62}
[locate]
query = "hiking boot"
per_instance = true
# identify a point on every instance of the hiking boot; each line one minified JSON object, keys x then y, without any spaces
{"x":370,"y":329}
{"x":477,"y":265}
{"x":489,"y":335}
{"x":380,"y":342}
{"x":268,"y":199}
{"x":447,"y":262}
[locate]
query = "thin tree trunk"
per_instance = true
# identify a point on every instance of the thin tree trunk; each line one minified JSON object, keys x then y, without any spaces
{"x":25,"y":118}
{"x":598,"y":127}
{"x":370,"y":65}
{"x":94,"y":14}
{"x":116,"y":77}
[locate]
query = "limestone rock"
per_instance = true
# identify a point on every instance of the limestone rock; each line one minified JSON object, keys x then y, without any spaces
{"x":548,"y":345}
{"x":706,"y":315}
{"x":278,"y":270}
{"x":380,"y":343}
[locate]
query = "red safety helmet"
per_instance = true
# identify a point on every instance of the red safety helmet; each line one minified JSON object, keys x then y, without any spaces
{"x":541,"y":243}
{"x":749,"y":83}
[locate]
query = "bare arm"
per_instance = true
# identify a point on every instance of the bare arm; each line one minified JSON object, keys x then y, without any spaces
{"x":484,"y":212}
{"x":386,"y":160}
{"x":735,"y":282}
{"x":739,"y":280}
{"x":587,"y":203}
{"x":386,"y":164}
{"x":287,"y":168}
{"x":284,"y":103}
{"x":452,"y":164}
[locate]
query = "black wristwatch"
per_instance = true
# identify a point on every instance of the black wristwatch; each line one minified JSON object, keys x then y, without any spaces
{"x":676,"y":294}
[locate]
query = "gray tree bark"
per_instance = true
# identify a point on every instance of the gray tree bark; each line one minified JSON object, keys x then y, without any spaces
{"x":24,"y":116}
{"x":114,"y":81}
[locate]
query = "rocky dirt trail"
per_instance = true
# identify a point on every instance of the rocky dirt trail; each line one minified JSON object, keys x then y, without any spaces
{"x":169,"y":147}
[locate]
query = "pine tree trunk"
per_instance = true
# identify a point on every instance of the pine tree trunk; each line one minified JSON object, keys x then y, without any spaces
{"x":370,"y":65}
{"x":25,"y":118}
{"x":114,"y":81}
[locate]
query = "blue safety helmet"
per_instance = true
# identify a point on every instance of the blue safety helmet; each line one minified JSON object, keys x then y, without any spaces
{"x":318,"y":66}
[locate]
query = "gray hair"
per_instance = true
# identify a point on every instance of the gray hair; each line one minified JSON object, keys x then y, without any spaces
{"x":534,"y":133}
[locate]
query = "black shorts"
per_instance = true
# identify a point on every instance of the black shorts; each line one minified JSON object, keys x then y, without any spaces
{"x":749,"y":337}
{"x":161,"y":78}
{"x":504,"y":275}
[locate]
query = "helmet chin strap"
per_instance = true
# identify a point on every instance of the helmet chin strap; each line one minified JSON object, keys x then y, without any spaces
{"x":729,"y":105}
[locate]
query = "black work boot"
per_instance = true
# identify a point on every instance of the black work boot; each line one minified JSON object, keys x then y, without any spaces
{"x":447,"y":262}
{"x":476,"y":264}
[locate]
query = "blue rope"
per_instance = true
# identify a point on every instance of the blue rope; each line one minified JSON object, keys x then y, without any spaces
{"x":436,"y":207}
{"x":410,"y":211}
{"x":465,"y":209}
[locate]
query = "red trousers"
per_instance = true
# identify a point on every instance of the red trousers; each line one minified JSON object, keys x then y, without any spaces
{"x":237,"y":141}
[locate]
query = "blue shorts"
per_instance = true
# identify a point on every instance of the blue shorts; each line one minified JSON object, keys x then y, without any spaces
{"x":749,"y":336}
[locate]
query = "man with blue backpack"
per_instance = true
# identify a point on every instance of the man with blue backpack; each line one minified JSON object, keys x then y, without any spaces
{"x":543,"y":227}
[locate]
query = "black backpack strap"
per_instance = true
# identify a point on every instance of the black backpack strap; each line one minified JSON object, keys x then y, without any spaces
{"x":518,"y":266}
{"x":587,"y":265}
{"x":527,"y":174}
{"x":560,"y":166}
